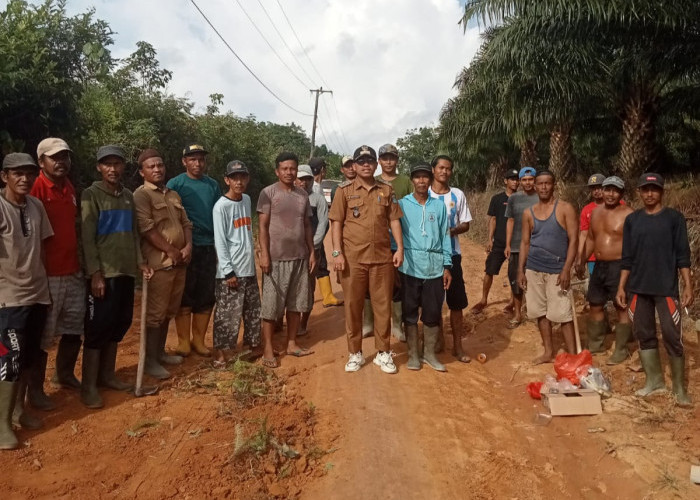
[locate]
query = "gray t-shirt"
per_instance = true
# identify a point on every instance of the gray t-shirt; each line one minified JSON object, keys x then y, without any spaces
{"x":517,"y":204}
{"x":288,"y":211}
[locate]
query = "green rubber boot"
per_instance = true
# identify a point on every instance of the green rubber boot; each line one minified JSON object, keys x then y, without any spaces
{"x":163,"y":356}
{"x":623,"y":334}
{"x":412,"y":341}
{"x":89,"y":394}
{"x":430,"y":334}
{"x":66,"y":356}
{"x":8,"y":395}
{"x":35,"y":389}
{"x":367,"y":320}
{"x":153,"y":366}
{"x":20,"y":417}
{"x":396,"y":322}
{"x":651,"y":362}
{"x":596,"y":331}
{"x":108,"y":362}
{"x":678,"y":378}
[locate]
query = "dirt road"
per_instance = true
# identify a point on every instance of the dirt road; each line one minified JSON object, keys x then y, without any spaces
{"x":467,"y":433}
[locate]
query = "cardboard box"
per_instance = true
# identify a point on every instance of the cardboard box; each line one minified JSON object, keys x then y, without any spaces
{"x":575,"y":402}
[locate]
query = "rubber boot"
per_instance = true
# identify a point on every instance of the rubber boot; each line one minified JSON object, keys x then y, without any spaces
{"x":66,"y":356}
{"x":623,"y":334}
{"x":21,"y":418}
{"x":440,"y":344}
{"x":430,"y":334}
{"x":35,"y":390}
{"x":412,"y":341}
{"x":367,"y":320}
{"x":89,"y":394}
{"x":595,"y":331}
{"x":163,"y":356}
{"x":8,"y":396}
{"x":396,"y":319}
{"x":678,"y":378}
{"x":108,"y":362}
{"x":153,"y":349}
{"x":200,"y":322}
{"x":651,"y":362}
{"x":329,"y":299}
{"x":183,"y":325}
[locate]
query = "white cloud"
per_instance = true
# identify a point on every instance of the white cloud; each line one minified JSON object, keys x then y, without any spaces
{"x":390,"y":64}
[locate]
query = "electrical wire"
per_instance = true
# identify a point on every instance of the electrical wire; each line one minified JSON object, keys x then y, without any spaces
{"x":243,"y":63}
{"x":340,"y":125}
{"x":333,"y":130}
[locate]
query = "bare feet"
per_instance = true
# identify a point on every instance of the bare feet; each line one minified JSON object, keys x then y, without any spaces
{"x":461,"y":357}
{"x":479,"y":307}
{"x":508,"y":309}
{"x":545,"y":358}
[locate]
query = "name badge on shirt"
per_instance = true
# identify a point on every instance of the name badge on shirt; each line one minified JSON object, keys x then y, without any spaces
{"x":356,"y":212}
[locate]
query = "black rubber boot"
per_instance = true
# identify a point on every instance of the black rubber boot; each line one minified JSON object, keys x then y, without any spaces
{"x":595,"y":331}
{"x":20,"y":417}
{"x":651,"y":362}
{"x":623,"y":334}
{"x":66,"y":356}
{"x":89,"y":394}
{"x":678,"y":378}
{"x":153,"y":347}
{"x":35,"y":390}
{"x":430,"y":334}
{"x":164,"y":357}
{"x":108,"y":362}
{"x":412,"y":341}
{"x":8,"y":396}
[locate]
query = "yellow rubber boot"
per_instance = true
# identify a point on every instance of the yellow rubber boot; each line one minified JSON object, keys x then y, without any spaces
{"x":183,"y":323}
{"x":329,"y":299}
{"x":200,"y":322}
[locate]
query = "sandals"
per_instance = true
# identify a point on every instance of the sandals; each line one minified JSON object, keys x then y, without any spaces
{"x":513,"y":323}
{"x":269,"y":363}
{"x":218,"y":365}
{"x":462,"y":358}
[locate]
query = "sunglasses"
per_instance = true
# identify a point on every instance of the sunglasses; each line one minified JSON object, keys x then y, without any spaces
{"x":366,"y":161}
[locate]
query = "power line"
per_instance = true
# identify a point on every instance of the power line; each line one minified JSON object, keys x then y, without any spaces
{"x":333,"y":128}
{"x":340,"y":125}
{"x":270,"y":45}
{"x":243,"y":63}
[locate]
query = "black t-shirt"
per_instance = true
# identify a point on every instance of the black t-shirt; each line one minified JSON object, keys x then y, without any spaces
{"x":497,"y":209}
{"x":654,"y":248}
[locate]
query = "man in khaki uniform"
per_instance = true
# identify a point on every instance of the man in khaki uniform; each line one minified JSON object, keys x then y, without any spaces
{"x":362,"y":212}
{"x":166,"y":244}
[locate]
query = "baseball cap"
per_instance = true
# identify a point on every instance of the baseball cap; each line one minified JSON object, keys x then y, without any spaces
{"x":614,"y":181}
{"x":596,"y":180}
{"x":16,"y":160}
{"x":527,"y":172}
{"x":388,"y":149}
{"x":110,"y":150}
{"x":345,"y":160}
{"x":193,"y":148}
{"x":651,"y":178}
{"x":364,"y":151}
{"x":236,"y":167}
{"x":316,"y":164}
{"x":304,"y":171}
{"x":511,"y":173}
{"x":422,"y":167}
{"x":51,"y":146}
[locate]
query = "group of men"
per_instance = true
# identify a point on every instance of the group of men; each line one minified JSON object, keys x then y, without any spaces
{"x":633,"y":259}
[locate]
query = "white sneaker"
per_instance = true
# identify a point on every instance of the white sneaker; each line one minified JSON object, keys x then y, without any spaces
{"x":355,"y":362}
{"x":384,"y":360}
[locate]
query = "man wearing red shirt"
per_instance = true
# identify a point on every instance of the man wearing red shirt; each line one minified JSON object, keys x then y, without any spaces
{"x":595,"y":186}
{"x":66,"y":281}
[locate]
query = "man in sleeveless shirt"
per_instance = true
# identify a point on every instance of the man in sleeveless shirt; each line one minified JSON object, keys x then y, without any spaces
{"x":547,"y":252}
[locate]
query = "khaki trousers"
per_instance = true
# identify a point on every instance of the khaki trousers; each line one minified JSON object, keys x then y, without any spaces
{"x":164,"y":295}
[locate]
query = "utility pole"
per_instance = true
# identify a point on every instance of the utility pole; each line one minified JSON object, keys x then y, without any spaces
{"x":318,"y":93}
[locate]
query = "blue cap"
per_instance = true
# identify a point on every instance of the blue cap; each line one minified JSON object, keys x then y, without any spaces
{"x":527,"y":172}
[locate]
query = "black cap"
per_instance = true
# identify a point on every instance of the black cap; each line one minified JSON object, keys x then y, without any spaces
{"x":111,"y":150}
{"x":511,"y":173}
{"x":317,"y":165}
{"x":422,"y":168}
{"x":650,"y":178}
{"x":16,"y":160}
{"x":193,"y":148}
{"x":364,"y":151}
{"x":236,"y":167}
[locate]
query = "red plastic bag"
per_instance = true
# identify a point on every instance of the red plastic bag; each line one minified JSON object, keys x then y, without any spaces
{"x":566,"y":364}
{"x":533,"y":388}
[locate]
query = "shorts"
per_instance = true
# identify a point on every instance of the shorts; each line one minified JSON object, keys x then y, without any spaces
{"x":456,"y":295}
{"x":109,"y":318}
{"x":66,"y":315}
{"x":165,"y":290}
{"x":422,"y":296}
{"x":546,"y":298}
{"x":200,"y":280}
{"x":20,"y":336}
{"x":285,"y":287}
{"x":495,"y":261}
{"x":602,"y":286}
{"x":513,"y":263}
{"x":232,"y":304}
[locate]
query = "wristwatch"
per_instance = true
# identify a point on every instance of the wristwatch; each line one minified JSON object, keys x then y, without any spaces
{"x":336,"y":253}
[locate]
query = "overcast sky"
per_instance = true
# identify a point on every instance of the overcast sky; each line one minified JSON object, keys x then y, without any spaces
{"x":391,"y":64}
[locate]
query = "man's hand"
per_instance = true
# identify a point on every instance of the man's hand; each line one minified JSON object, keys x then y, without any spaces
{"x":398,"y":258}
{"x":232,"y":282}
{"x":265,"y":263}
{"x":687,"y":298}
{"x":97,"y":285}
{"x":564,"y":279}
{"x":580,"y":270}
{"x":506,"y":252}
{"x":522,"y":280}
{"x":446,"y":279}
{"x":175,"y":255}
{"x":489,"y":247}
{"x":186,"y":254}
{"x":339,"y":263}
{"x":312,"y":263}
{"x":621,"y":298}
{"x":147,"y":271}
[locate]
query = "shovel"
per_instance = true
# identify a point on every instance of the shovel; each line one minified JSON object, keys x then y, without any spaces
{"x":573,"y":311}
{"x":140,"y":390}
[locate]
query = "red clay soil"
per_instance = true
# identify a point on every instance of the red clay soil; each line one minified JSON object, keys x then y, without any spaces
{"x":468,"y":433}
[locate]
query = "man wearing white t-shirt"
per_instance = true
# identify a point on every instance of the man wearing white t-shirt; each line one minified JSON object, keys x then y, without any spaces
{"x":458,"y":217}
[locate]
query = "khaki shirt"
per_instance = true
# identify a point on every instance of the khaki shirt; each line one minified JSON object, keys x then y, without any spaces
{"x":161,"y":210}
{"x":365,"y":216}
